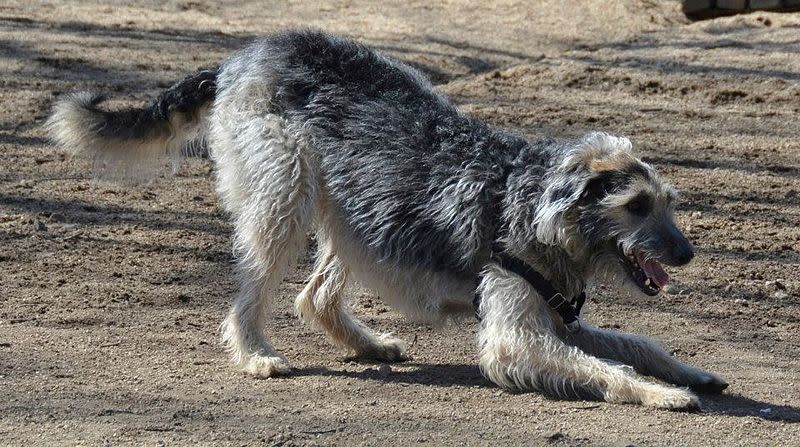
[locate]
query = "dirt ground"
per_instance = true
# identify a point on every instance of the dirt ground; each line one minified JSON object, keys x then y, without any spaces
{"x":111,"y":294}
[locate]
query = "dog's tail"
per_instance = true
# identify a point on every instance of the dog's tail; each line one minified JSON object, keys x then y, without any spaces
{"x":132,"y":142}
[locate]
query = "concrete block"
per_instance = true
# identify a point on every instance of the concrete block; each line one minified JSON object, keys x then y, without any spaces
{"x":691,"y":7}
{"x":735,"y":5}
{"x":765,"y":4}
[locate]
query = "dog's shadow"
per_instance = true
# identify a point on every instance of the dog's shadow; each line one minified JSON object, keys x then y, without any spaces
{"x":465,"y":375}
{"x":444,"y":375}
{"x":741,"y":406}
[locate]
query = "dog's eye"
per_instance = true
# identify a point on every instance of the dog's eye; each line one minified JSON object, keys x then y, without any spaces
{"x":639,"y":206}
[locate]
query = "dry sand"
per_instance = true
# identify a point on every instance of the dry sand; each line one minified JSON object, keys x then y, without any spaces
{"x":111,"y":295}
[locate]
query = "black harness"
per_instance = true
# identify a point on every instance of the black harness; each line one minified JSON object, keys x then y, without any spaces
{"x":568,"y":310}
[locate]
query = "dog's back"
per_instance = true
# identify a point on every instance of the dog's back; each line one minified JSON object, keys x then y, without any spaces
{"x":402,"y":166}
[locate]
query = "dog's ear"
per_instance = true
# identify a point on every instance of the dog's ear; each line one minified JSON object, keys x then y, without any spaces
{"x":562,"y":192}
{"x":594,"y":153}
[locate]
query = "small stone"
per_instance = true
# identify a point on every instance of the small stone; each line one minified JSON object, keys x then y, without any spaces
{"x":780,"y":295}
{"x":554,"y":435}
{"x":384,"y":369}
{"x":776,"y":285}
{"x":697,"y":215}
{"x":677,"y":289}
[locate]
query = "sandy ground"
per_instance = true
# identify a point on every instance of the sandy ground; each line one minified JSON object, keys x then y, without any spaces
{"x":111,"y":294}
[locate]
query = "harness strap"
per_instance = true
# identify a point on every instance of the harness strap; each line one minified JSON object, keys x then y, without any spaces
{"x":568,"y":311}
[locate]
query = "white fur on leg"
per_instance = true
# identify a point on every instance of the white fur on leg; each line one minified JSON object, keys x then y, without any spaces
{"x":520,"y":350}
{"x":646,"y":356}
{"x":249,"y":349}
{"x":268,"y":182}
{"x":322,"y":303}
{"x":243,"y":329}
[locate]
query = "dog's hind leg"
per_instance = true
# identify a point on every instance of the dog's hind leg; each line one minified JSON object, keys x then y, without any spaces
{"x":646,"y":357}
{"x":322,"y":303}
{"x":268,"y":182}
{"x":520,"y":350}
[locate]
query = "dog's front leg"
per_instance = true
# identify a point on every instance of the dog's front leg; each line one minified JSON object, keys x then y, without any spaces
{"x":646,"y":356}
{"x":519,"y":349}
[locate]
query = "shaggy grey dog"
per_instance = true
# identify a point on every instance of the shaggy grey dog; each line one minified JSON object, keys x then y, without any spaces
{"x":417,"y":201}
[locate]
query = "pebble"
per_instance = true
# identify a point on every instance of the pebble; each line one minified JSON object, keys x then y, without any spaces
{"x":554,"y":435}
{"x":780,"y":295}
{"x":697,"y":215}
{"x":775,"y":285}
{"x":677,"y":289}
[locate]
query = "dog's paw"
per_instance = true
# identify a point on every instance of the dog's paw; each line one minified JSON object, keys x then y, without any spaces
{"x":386,"y":348}
{"x":262,"y":366}
{"x":708,"y":383}
{"x":677,"y":399}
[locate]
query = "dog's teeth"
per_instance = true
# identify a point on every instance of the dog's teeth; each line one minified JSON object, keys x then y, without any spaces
{"x":647,"y":282}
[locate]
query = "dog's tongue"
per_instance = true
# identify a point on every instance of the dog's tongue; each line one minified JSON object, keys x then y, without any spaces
{"x":653,"y":270}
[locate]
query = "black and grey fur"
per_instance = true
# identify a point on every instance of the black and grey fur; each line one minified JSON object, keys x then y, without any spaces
{"x":409,"y":197}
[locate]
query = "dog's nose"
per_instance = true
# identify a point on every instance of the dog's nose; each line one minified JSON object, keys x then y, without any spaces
{"x":683,"y":253}
{"x":677,"y":248}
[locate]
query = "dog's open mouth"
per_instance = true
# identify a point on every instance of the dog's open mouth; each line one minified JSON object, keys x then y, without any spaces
{"x":646,"y":273}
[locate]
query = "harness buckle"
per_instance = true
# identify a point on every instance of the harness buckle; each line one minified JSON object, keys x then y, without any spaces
{"x":557,"y":300}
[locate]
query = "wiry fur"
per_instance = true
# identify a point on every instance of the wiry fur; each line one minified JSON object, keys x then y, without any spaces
{"x":132,"y":143}
{"x":410,"y":198}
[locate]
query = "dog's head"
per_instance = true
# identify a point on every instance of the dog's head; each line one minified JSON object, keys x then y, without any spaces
{"x":604,"y":204}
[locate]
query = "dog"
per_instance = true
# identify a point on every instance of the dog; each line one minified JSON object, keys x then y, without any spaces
{"x":438,"y":213}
